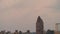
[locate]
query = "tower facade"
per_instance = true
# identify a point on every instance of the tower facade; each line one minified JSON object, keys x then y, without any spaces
{"x":39,"y":26}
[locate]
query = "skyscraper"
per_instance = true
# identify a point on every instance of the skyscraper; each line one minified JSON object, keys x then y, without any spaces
{"x":39,"y":26}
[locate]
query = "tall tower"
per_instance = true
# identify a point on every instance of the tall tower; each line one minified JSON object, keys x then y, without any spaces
{"x":39,"y":26}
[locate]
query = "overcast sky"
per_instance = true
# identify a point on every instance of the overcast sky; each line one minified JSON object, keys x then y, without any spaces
{"x":22,"y":14}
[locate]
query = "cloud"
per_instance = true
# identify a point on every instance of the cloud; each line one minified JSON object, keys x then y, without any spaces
{"x":55,"y":6}
{"x":24,"y":13}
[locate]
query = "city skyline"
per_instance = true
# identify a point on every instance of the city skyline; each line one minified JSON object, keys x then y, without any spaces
{"x":22,"y":14}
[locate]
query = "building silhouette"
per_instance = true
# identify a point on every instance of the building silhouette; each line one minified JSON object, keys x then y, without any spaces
{"x":16,"y":32}
{"x":39,"y":26}
{"x":20,"y":32}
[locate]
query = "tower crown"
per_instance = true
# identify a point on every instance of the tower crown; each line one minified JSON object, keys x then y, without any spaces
{"x":39,"y":19}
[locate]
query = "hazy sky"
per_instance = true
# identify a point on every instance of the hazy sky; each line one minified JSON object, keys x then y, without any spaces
{"x":22,"y":14}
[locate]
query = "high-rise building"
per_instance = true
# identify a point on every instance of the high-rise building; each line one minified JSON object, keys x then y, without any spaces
{"x":39,"y":26}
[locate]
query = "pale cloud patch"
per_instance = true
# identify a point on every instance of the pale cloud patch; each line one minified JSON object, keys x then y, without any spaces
{"x":8,"y":3}
{"x":24,"y":13}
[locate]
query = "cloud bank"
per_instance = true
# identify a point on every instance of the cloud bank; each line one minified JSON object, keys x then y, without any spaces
{"x":22,"y":14}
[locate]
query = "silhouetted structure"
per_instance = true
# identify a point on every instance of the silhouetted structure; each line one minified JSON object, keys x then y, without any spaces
{"x":39,"y":29}
{"x":28,"y":32}
{"x":16,"y":32}
{"x":3,"y":32}
{"x":39,"y":26}
{"x":50,"y":32}
{"x":20,"y":32}
{"x":8,"y":32}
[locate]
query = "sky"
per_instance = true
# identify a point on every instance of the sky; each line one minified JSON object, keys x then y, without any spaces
{"x":22,"y":14}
